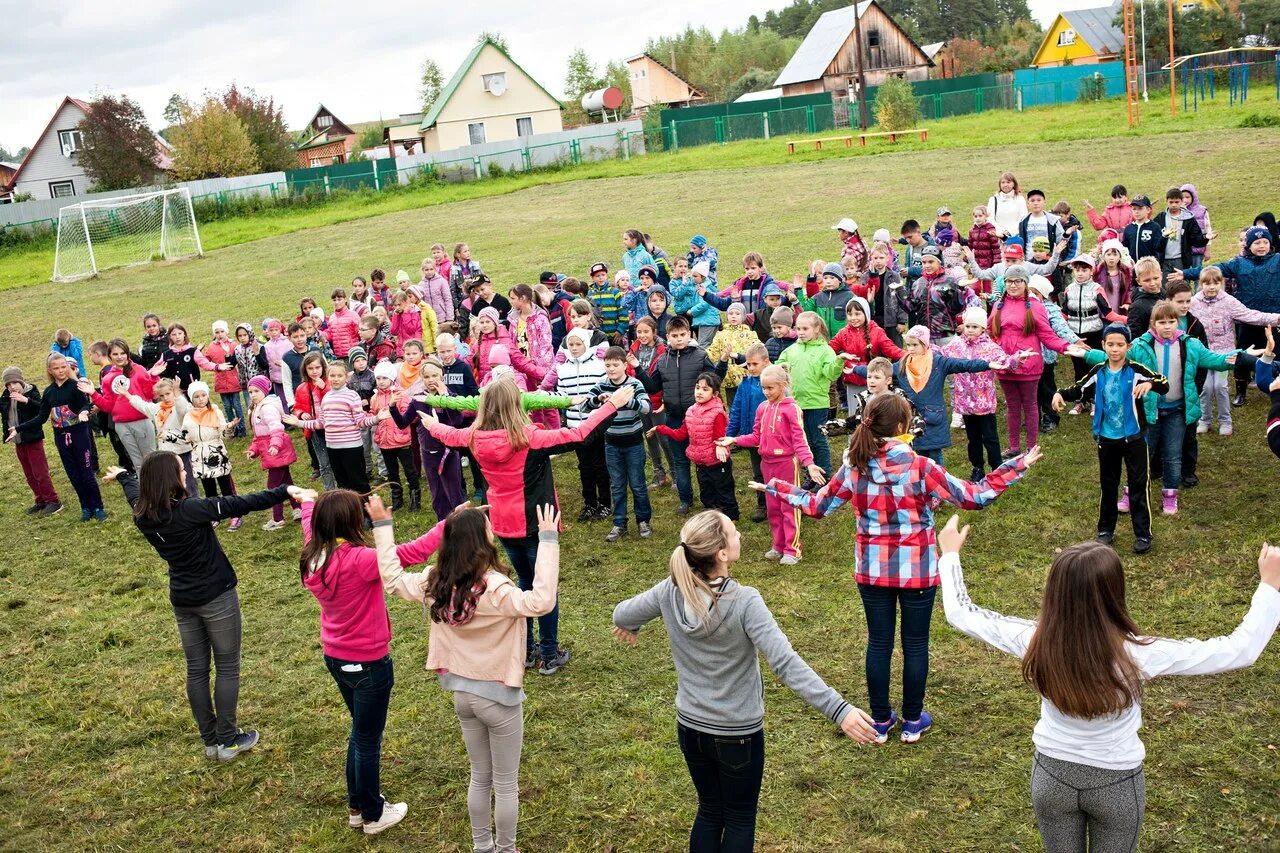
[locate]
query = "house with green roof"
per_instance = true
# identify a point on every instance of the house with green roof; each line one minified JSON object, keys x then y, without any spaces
{"x":488,"y":99}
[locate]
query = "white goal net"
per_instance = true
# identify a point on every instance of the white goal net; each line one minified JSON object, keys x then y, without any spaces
{"x":125,"y":230}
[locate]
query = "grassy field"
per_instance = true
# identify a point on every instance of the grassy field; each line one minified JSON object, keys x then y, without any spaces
{"x":1097,"y":120}
{"x":98,"y":749}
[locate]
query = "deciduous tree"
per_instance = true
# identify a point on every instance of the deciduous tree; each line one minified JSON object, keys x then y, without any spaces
{"x":212,"y":142}
{"x":119,"y":148}
{"x":264,"y":122}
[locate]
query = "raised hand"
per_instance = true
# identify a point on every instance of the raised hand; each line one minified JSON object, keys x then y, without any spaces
{"x":113,"y":471}
{"x":951,"y":537}
{"x":1176,"y":275}
{"x":376,"y":509}
{"x":548,"y":518}
{"x":1269,"y":565}
{"x":857,"y":726}
{"x":628,"y":637}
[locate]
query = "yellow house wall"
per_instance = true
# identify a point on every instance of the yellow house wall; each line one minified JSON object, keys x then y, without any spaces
{"x":1051,"y":55}
{"x":471,"y":103}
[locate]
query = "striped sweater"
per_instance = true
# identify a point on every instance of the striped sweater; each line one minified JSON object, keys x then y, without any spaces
{"x":626,"y":429}
{"x":342,"y":417}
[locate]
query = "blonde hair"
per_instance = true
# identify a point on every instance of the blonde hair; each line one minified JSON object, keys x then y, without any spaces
{"x":163,"y":385}
{"x":756,"y":350}
{"x":753,"y":259}
{"x":1211,"y":275}
{"x":500,"y":409}
{"x":881,"y":366}
{"x":1145,"y":265}
{"x":695,"y":557}
{"x":815,"y":318}
{"x":774,"y":373}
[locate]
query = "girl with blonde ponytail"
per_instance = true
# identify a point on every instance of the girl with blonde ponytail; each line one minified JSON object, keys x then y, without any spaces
{"x":717,"y":629}
{"x":893,"y":491}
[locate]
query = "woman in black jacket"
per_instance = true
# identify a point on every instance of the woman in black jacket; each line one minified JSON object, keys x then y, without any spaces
{"x":202,"y":587}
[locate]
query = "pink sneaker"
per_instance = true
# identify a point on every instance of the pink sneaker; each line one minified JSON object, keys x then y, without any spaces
{"x":1170,"y":501}
{"x":1122,"y":505}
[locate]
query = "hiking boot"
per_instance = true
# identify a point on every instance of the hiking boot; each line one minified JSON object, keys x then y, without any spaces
{"x":397,"y":497}
{"x":615,"y":533}
{"x":1170,"y":501}
{"x":1141,"y":546}
{"x":415,"y":499}
{"x":645,"y":530}
{"x":553,"y":665}
{"x":392,"y":813}
{"x":883,"y":729}
{"x":911,"y":731}
{"x":240,"y":744}
{"x":1122,"y":505}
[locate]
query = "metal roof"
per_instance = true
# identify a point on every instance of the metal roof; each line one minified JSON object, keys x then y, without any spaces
{"x":762,"y":95}
{"x":931,"y":50}
{"x":820,"y":46}
{"x":451,"y":86}
{"x":1096,"y":27}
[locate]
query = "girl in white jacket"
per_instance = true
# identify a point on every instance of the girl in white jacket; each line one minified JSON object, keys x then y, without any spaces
{"x":1087,"y":659}
{"x":167,"y":414}
{"x":206,"y":428}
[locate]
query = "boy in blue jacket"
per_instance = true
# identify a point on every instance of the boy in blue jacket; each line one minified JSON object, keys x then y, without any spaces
{"x":742,"y":414}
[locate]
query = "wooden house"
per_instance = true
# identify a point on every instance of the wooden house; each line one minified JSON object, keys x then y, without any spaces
{"x":827,"y":59}
{"x":655,"y":84}
{"x":329,"y":140}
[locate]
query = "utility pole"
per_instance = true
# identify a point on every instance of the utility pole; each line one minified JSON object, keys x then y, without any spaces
{"x":862,"y":78}
{"x":1142,"y":13}
{"x":1173,"y":72}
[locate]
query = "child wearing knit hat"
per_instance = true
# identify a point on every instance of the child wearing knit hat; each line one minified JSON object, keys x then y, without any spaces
{"x":782,"y":333}
{"x":20,"y":401}
{"x":206,"y":429}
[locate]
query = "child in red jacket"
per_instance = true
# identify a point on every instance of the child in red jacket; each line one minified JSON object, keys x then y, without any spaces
{"x":705,"y":422}
{"x":643,"y":355}
{"x":779,"y":435}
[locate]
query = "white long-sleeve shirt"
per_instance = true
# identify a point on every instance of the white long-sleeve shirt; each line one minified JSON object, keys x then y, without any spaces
{"x":1110,"y":742}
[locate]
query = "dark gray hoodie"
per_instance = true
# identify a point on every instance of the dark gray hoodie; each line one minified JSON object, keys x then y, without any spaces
{"x":720,"y":691}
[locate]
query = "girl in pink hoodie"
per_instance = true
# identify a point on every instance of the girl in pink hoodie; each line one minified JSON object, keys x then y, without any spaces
{"x":973,"y":395}
{"x":489,"y":333}
{"x":476,"y":645}
{"x":1020,"y":325}
{"x":406,"y":322}
{"x":343,"y":571}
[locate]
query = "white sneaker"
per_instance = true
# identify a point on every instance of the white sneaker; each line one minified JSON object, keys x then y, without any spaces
{"x":297,"y":515}
{"x":392,"y":813}
{"x":273,"y":525}
{"x":1202,"y":428}
{"x":772,"y":554}
{"x":789,"y":560}
{"x":1224,"y":429}
{"x":354,"y":819}
{"x":957,"y":420}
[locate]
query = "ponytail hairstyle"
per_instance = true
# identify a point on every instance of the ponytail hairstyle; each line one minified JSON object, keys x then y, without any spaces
{"x":885,"y":416}
{"x":693,"y":560}
{"x":1077,"y":657}
{"x":636,"y":235}
{"x":122,"y":344}
{"x":524,"y":291}
{"x":337,"y":515}
{"x":466,"y":555}
{"x":1028,"y":319}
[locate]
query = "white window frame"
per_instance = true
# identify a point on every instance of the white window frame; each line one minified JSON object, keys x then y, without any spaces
{"x":519,"y":119}
{"x":72,"y":136}
{"x":471,"y":133}
{"x":55,"y":185}
{"x":323,"y":121}
{"x":1067,"y":38}
{"x":486,"y":78}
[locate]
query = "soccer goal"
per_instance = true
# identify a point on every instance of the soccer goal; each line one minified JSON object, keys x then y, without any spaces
{"x":123,"y":231}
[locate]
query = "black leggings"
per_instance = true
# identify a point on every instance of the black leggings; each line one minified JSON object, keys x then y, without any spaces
{"x":1078,"y":365}
{"x":212,"y":485}
{"x":594,"y":473}
{"x":983,"y":434}
{"x":397,"y":458}
{"x":348,"y":468}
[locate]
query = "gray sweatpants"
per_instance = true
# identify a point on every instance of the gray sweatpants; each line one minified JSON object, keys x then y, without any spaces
{"x":494,"y":735}
{"x":212,"y":628}
{"x":138,"y":439}
{"x":1081,"y":808}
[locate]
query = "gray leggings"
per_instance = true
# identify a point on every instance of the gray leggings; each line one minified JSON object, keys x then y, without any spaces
{"x":212,"y":627}
{"x":138,"y":439}
{"x":1081,"y":808}
{"x":494,"y":735}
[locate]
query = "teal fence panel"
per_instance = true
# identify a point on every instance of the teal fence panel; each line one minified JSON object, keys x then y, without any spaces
{"x":1043,"y":87}
{"x":749,"y":126}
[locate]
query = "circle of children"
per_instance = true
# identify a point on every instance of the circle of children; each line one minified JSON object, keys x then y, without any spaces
{"x":421,"y":380}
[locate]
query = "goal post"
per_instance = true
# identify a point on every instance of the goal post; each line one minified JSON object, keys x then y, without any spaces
{"x":125,"y":230}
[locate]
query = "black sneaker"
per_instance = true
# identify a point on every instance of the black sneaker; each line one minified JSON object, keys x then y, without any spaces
{"x":240,"y":744}
{"x":588,"y":513}
{"x":1106,"y":538}
{"x":1190,"y":481}
{"x":604,"y":513}
{"x":1141,"y":546}
{"x":1048,"y":426}
{"x":976,"y":474}
{"x":36,"y":508}
{"x":553,"y":665}
{"x":761,"y":514}
{"x":52,"y":509}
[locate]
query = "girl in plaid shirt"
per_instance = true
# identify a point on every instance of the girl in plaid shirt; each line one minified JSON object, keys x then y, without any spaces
{"x":893,"y":491}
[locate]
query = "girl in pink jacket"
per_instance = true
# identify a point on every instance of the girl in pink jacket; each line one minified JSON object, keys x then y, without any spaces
{"x":973,"y":395}
{"x":271,"y":445}
{"x":344,"y":572}
{"x":784,"y":451}
{"x":1020,"y":325}
{"x":476,"y":646}
{"x":488,"y":333}
{"x":406,"y":322}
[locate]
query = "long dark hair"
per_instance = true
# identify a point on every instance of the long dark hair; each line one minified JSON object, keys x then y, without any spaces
{"x":884,"y":417}
{"x":161,"y":483}
{"x":122,"y":344}
{"x":1077,"y":658}
{"x":337,"y":515}
{"x":466,"y":554}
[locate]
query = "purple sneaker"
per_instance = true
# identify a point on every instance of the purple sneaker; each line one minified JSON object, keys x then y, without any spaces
{"x":1122,"y":505}
{"x":911,"y":732}
{"x":883,"y":729}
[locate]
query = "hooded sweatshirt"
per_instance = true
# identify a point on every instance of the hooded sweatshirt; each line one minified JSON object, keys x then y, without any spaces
{"x":663,"y":316}
{"x":1116,"y":215}
{"x":863,"y":343}
{"x":1201,"y":213}
{"x":830,"y":305}
{"x":719,"y":689}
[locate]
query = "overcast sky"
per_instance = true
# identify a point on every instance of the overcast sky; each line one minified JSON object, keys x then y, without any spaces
{"x":360,"y":61}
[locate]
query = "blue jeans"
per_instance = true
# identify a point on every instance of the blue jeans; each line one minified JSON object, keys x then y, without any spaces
{"x":523,"y":553}
{"x":626,"y":468}
{"x":935,"y":454}
{"x":680,"y":469}
{"x":726,"y":773}
{"x":366,"y":689}
{"x":880,"y":604}
{"x":1164,"y":438}
{"x":813,"y":419}
{"x":232,"y":408}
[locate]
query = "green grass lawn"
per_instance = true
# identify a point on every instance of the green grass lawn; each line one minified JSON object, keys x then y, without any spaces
{"x":1097,"y":120}
{"x":98,"y":749}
